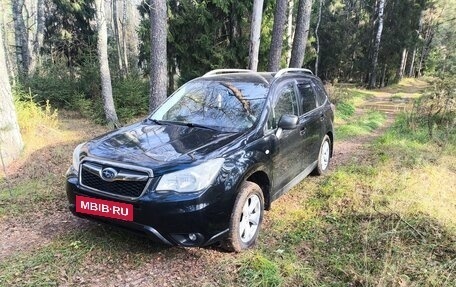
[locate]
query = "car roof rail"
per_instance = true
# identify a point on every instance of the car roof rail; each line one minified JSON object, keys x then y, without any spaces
{"x":233,"y":71}
{"x":292,"y":70}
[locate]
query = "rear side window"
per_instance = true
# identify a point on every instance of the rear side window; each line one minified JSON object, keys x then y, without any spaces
{"x":308,"y":97}
{"x":321,"y":94}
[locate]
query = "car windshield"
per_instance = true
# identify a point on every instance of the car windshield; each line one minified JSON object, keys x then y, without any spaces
{"x":225,"y":106}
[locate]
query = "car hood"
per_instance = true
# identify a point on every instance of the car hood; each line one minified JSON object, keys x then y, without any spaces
{"x":152,"y":144}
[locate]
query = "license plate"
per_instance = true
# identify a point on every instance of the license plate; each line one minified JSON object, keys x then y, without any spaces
{"x":105,"y":208}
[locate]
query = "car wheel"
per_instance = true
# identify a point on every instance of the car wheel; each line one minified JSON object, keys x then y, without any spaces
{"x":324,"y":157}
{"x":246,"y":217}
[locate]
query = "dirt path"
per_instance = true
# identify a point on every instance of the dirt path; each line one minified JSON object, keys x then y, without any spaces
{"x":18,"y":236}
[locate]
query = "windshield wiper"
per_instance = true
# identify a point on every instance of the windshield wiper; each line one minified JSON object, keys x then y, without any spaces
{"x":158,"y":122}
{"x":179,"y":123}
{"x":195,"y":125}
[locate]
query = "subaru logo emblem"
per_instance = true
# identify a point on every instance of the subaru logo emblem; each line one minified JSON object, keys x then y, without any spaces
{"x":108,"y":174}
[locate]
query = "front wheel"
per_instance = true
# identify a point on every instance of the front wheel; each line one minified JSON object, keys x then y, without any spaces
{"x":324,"y":157}
{"x":246,"y":217}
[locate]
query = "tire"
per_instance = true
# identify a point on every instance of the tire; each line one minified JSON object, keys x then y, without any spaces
{"x":244,"y":229}
{"x":324,"y":157}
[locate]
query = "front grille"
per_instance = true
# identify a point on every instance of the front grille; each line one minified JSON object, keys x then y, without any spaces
{"x":131,"y":183}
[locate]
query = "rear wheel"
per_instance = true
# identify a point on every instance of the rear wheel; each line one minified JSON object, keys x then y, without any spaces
{"x":246,"y":217}
{"x":324,"y":157}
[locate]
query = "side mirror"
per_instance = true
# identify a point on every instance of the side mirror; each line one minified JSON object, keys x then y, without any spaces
{"x":288,"y":122}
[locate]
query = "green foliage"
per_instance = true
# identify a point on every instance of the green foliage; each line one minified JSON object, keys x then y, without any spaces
{"x":442,"y":58}
{"x":346,"y":35}
{"x":205,"y":35}
{"x":31,"y":115}
{"x":130,"y":98}
{"x":69,"y":33}
{"x":435,"y":113}
{"x":79,"y":89}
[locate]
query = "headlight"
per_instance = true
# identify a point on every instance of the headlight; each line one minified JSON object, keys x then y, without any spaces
{"x":77,"y":157}
{"x":191,"y":179}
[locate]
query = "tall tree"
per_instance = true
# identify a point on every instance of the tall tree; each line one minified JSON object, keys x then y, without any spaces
{"x":10,"y":137}
{"x":378,"y":37}
{"x":255,"y":34}
{"x":39,"y":36}
{"x":275,"y":52}
{"x":117,"y":37}
{"x":290,"y":29}
{"x":301,"y":33}
{"x":158,"y":57}
{"x":102,"y":48}
{"x":317,"y":38}
{"x":21,"y":37}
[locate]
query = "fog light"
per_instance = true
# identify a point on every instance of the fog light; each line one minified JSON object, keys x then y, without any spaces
{"x":192,"y":236}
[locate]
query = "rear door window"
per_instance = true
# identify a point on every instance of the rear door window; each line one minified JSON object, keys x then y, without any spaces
{"x":321,"y":94}
{"x":307,"y":97}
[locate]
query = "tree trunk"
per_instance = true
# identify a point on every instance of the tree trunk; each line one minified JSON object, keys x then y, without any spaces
{"x":10,"y":136}
{"x":39,"y":37}
{"x":115,"y":26}
{"x":383,"y":80}
{"x":158,"y":61}
{"x":401,"y":70}
{"x":106,"y":88}
{"x":411,"y":72}
{"x":9,"y":65}
{"x":317,"y":39}
{"x":124,"y":37}
{"x":378,"y":37}
{"x":21,"y":37}
{"x":290,"y":30}
{"x":425,"y":50}
{"x":301,"y":33}
{"x":255,"y":34}
{"x":275,"y":52}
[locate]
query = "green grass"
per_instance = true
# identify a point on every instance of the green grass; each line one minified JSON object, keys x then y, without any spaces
{"x":362,"y":125}
{"x":386,"y":221}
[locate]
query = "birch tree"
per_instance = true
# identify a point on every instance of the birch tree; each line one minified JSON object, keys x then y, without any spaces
{"x":275,"y":52}
{"x":317,"y":38}
{"x":378,"y":37}
{"x":290,"y":29}
{"x":255,"y":34}
{"x":119,"y":47}
{"x":102,"y":48}
{"x":10,"y":137}
{"x":301,"y":33}
{"x":158,"y":60}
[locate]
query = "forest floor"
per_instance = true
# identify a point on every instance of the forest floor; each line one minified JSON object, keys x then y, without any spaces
{"x":309,"y":238}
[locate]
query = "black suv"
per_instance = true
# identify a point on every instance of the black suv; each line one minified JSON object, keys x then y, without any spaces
{"x":204,"y":166}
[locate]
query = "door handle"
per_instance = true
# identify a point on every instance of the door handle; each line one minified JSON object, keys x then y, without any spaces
{"x":302,"y":131}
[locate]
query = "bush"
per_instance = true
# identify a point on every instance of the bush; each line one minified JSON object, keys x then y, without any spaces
{"x":435,"y":112}
{"x":79,"y":89}
{"x":32,"y":116}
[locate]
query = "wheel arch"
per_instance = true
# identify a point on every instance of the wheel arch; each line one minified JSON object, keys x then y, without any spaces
{"x":330,"y":134}
{"x":261,"y":178}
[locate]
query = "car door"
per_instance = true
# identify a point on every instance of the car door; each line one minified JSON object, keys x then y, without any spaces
{"x":288,"y":155}
{"x":310,"y":122}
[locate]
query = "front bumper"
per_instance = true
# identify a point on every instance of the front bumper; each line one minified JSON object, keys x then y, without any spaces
{"x":195,"y":219}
